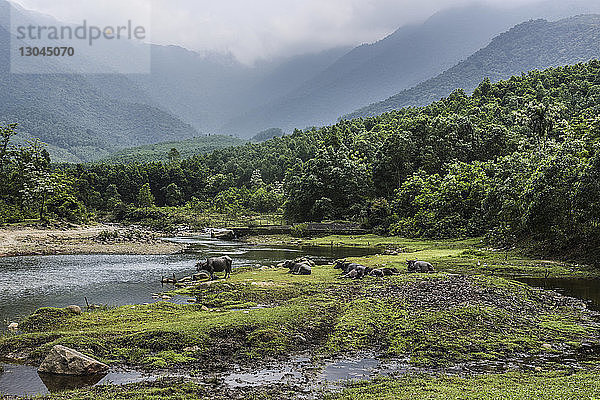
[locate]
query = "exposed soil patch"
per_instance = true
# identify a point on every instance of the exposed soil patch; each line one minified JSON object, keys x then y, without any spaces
{"x":462,"y":291}
{"x":72,"y":239}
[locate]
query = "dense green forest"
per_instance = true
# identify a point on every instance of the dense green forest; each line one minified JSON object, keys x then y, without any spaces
{"x":162,"y":151}
{"x":518,"y":162}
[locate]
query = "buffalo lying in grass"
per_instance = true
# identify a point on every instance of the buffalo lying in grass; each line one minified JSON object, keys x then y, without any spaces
{"x":419,"y":266}
{"x":381,"y":272}
{"x":352,"y":270}
{"x":299,"y":266}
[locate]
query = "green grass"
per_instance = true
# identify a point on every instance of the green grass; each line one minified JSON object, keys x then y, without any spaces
{"x":465,"y":256}
{"x":435,"y":320}
{"x":557,"y":385}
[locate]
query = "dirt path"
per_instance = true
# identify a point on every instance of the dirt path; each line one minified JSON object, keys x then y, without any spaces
{"x":96,"y":239}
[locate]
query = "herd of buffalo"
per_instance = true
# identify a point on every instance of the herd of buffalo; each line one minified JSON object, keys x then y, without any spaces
{"x":304,"y":266}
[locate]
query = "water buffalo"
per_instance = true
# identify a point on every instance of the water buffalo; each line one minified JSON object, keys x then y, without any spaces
{"x":347,"y":267}
{"x":299,"y":266}
{"x":390,"y":271}
{"x":377,"y":272}
{"x":216,"y":264}
{"x":381,"y":272}
{"x":419,"y":266}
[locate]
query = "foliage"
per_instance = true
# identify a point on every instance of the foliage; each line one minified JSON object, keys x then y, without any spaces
{"x":517,"y":161}
{"x":30,"y":188}
{"x":164,"y":151}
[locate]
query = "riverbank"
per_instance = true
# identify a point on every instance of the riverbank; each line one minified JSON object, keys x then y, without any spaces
{"x":262,"y":318}
{"x":458,"y":256}
{"x":563,"y":385}
{"x":467,"y":320}
{"x":21,"y":240}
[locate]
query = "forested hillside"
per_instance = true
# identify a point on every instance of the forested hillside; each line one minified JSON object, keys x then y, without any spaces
{"x":531,"y":45}
{"x":518,"y":160}
{"x":75,"y":116}
{"x":164,"y":151}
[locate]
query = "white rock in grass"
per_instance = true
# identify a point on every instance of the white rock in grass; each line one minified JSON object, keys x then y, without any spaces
{"x":65,"y":361}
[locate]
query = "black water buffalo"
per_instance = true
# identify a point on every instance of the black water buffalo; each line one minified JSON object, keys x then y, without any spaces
{"x":390,"y":271}
{"x":381,"y":272}
{"x":377,"y":272}
{"x":216,"y":264}
{"x":348,"y":268}
{"x":419,"y":266}
{"x":299,"y":266}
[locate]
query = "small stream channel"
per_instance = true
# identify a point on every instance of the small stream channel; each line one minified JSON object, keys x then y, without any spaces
{"x":28,"y":283}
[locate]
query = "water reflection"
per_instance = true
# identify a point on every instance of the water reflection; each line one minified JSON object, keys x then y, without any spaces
{"x":61,"y":383}
{"x":23,"y":380}
{"x":584,"y":289}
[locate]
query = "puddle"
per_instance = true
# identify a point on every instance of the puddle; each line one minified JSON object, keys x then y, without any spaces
{"x":23,"y":380}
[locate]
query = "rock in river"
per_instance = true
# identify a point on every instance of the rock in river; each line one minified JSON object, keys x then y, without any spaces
{"x":65,"y":361}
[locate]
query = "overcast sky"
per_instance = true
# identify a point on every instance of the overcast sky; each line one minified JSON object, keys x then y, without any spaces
{"x":255,"y":29}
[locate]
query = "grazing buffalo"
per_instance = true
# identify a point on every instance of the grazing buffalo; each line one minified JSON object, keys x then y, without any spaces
{"x":299,"y":266}
{"x":419,"y":266}
{"x":216,"y":264}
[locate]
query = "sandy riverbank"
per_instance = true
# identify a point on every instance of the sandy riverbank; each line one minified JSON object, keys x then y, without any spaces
{"x":96,"y":239}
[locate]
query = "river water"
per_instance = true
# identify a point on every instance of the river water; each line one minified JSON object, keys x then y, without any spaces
{"x":28,"y":283}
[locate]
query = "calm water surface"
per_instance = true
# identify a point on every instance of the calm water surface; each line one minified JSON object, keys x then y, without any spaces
{"x":28,"y":283}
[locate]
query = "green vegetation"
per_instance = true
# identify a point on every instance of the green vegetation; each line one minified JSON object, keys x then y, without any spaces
{"x":267,"y":134}
{"x":516,"y":162}
{"x":163,"y":151}
{"x":459,"y":256}
{"x":517,"y":385}
{"x":29,"y":188}
{"x":435,"y":320}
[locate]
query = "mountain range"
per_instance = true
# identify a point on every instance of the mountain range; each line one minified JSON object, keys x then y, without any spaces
{"x":85,"y":117}
{"x":529,"y":46}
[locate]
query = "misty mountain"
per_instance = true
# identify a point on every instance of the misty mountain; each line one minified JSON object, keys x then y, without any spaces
{"x":86,"y":116}
{"x":405,"y":58}
{"x":74,"y":113}
{"x":531,"y":45}
{"x":208,"y":90}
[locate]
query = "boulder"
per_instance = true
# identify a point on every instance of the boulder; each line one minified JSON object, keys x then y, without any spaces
{"x":74,"y":309}
{"x":65,"y":361}
{"x":13,"y":326}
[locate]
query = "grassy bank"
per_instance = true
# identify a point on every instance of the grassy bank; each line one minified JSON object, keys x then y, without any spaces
{"x":539,"y":386}
{"x":467,"y":256}
{"x":557,"y":385}
{"x":259,"y":314}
